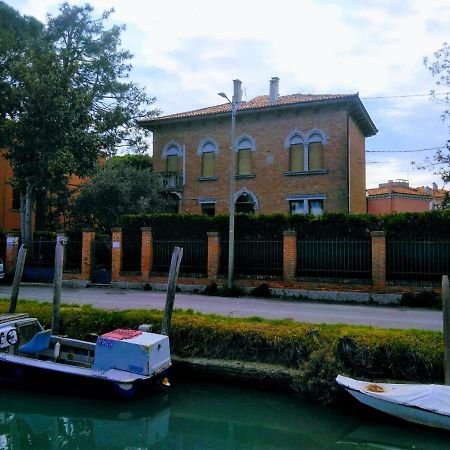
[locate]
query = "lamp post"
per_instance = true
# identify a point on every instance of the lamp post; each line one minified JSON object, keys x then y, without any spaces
{"x":231,"y":209}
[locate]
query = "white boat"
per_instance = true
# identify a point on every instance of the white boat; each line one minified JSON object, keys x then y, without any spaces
{"x":121,"y":363}
{"x":425,"y":404}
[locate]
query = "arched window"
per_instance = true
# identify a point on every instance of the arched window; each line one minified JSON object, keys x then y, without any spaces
{"x":315,"y":152}
{"x":172,"y":153}
{"x":208,"y":149}
{"x":296,"y":154}
{"x":305,"y":150}
{"x":245,"y":146}
{"x":244,"y":204}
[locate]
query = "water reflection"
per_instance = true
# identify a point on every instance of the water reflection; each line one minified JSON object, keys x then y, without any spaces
{"x":194,"y":416}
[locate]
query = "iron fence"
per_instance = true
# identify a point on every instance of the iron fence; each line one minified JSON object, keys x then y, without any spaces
{"x":425,"y":260}
{"x":195,"y":256}
{"x":334,"y":258}
{"x":40,"y":261}
{"x":131,"y":255}
{"x":72,"y":258}
{"x":258,"y":258}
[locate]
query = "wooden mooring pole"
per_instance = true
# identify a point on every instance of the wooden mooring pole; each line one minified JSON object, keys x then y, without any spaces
{"x":177,"y":255}
{"x":57,"y":282}
{"x":446,"y":310}
{"x":20,"y":263}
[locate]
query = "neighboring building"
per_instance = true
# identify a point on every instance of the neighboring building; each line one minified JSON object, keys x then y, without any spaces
{"x":297,"y":153}
{"x":398,"y":196}
{"x":10,"y":198}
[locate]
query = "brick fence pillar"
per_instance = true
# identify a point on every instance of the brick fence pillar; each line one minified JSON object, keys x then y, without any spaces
{"x":289,"y":255}
{"x":12,"y":247}
{"x":378,"y":259}
{"x":146,"y":252}
{"x":86,"y":253}
{"x":213,"y":254}
{"x":116,"y":263}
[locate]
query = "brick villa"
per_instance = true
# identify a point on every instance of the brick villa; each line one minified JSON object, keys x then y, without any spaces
{"x":298,"y":153}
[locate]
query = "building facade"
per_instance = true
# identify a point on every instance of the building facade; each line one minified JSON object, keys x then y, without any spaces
{"x":296,"y":153}
{"x":399,"y":196}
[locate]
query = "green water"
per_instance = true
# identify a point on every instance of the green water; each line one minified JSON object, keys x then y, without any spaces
{"x":200,"y":416}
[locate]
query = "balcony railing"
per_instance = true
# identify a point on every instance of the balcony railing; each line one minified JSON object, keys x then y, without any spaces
{"x":170,"y":181}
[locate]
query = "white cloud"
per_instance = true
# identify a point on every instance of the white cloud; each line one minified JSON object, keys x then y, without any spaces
{"x":186,"y":52}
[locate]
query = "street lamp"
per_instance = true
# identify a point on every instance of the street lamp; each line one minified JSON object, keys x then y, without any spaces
{"x":234,"y":106}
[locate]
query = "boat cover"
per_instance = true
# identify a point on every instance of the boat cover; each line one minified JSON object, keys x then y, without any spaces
{"x":431,"y":397}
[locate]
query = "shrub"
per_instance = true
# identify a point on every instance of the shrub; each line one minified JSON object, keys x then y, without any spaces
{"x":262,"y":290}
{"x":421,"y":299}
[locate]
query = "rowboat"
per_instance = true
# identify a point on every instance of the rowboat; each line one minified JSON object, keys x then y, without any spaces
{"x":425,"y":404}
{"x":121,"y":363}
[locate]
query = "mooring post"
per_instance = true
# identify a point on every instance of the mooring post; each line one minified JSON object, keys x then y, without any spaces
{"x":17,"y":277}
{"x":57,"y":282}
{"x":446,"y":311}
{"x":171,"y":289}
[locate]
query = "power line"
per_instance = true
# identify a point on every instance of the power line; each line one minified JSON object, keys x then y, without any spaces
{"x":406,"y":151}
{"x":405,"y":96}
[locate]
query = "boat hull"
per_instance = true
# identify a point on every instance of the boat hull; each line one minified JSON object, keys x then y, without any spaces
{"x":409,"y":413}
{"x":424,"y":404}
{"x":40,"y":378}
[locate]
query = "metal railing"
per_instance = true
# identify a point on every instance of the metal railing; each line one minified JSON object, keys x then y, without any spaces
{"x":259,"y":258}
{"x":334,"y":258}
{"x":170,"y":181}
{"x":425,"y":260}
{"x":195,"y":256}
{"x":131,"y":255}
{"x":72,"y":256}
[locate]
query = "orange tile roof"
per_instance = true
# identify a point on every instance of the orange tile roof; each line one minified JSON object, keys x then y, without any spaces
{"x":262,"y":101}
{"x":439,"y":193}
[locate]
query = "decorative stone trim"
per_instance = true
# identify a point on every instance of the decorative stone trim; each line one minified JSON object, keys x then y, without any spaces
{"x":171,"y":148}
{"x":243,"y":177}
{"x":207,"y":178}
{"x":203,"y":146}
{"x":306,"y":172}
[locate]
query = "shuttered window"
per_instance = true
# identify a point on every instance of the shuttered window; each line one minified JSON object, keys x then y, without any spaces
{"x":296,"y":158}
{"x":315,"y":156}
{"x":172,"y":163}
{"x":244,"y":162}
{"x":208,"y":164}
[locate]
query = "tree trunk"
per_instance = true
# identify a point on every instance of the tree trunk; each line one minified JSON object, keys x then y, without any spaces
{"x":26,"y":216}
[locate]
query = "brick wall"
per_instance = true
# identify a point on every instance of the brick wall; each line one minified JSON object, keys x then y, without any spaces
{"x":270,"y":160}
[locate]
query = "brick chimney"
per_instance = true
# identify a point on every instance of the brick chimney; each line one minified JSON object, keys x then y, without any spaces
{"x":274,"y":90}
{"x":237,"y":91}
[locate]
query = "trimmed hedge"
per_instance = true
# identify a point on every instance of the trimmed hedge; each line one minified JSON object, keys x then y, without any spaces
{"x":320,"y":352}
{"x":433,"y":224}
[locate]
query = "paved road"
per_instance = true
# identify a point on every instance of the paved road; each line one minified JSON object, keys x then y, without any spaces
{"x":116,"y":299}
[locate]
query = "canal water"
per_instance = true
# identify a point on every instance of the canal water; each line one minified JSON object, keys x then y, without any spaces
{"x":200,"y":416}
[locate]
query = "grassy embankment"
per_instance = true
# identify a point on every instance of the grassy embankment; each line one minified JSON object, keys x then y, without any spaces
{"x":313,"y":354}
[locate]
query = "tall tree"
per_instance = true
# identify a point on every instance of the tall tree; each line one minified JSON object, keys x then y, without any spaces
{"x":70,"y":97}
{"x":439,"y":67}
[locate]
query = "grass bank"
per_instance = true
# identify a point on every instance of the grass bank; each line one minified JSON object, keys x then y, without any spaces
{"x":316,"y":353}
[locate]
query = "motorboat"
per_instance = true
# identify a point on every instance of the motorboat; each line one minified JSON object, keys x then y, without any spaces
{"x":121,"y":363}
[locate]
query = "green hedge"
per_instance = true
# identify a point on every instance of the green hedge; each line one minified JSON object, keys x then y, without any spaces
{"x":403,"y":225}
{"x":320,"y":352}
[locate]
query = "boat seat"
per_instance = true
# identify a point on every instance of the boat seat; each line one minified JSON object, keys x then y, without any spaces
{"x":40,"y":342}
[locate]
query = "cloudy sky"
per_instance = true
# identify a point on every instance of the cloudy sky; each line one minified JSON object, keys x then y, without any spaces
{"x":188,"y":51}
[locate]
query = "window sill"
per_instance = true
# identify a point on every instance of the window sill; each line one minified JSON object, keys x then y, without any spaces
{"x":244,"y":176}
{"x":306,"y":172}
{"x":207,"y":178}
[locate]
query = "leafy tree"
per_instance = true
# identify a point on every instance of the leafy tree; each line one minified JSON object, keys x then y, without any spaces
{"x":69,"y":96}
{"x":439,"y":67}
{"x":124,"y":185}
